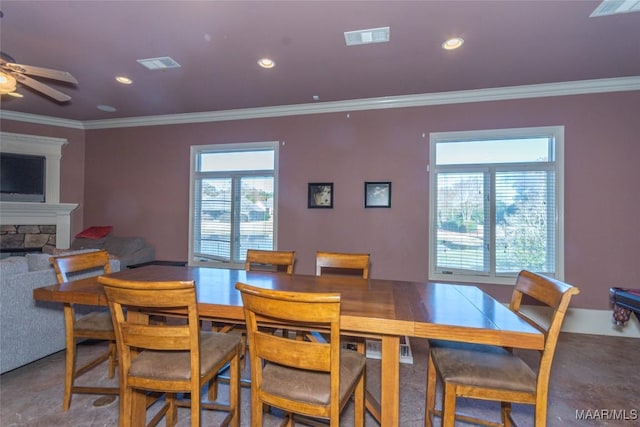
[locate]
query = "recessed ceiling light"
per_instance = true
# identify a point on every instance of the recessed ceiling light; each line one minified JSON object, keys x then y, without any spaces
{"x":124,"y":80}
{"x":106,"y":108}
{"x":266,"y":63}
{"x":452,"y":43}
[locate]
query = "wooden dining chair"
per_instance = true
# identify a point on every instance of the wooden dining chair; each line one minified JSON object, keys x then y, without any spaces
{"x":495,"y":373}
{"x":342,"y":263}
{"x":256,"y":260}
{"x":168,"y":357}
{"x":350,"y":264}
{"x":300,"y":377}
{"x":95,"y":325}
{"x":272,"y":260}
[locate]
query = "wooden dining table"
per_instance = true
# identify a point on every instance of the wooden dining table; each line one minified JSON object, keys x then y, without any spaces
{"x":372,"y":308}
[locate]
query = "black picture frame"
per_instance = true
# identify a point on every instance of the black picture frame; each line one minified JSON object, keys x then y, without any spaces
{"x":377,"y":194}
{"x":320,"y":195}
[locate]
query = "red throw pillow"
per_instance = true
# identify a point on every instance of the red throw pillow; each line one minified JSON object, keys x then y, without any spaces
{"x":95,"y":233}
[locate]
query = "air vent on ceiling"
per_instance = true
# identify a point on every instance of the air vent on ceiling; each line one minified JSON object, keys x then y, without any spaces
{"x":372,"y":35}
{"x":613,"y":7}
{"x":161,"y":63}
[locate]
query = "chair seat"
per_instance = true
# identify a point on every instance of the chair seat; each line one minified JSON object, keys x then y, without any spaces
{"x":95,"y":321}
{"x":175,"y":365}
{"x":483,"y":366}
{"x":312,"y":386}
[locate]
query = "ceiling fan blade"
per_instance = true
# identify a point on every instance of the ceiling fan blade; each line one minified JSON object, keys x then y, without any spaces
{"x":41,"y":87}
{"x":41,"y":72}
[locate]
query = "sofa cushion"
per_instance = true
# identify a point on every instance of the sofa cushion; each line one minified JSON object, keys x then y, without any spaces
{"x":82,"y":243}
{"x":13,"y":265}
{"x":95,"y":233}
{"x":38,"y":262}
{"x":122,"y":246}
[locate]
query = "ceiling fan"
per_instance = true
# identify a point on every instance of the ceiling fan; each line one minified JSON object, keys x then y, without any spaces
{"x":11,"y":72}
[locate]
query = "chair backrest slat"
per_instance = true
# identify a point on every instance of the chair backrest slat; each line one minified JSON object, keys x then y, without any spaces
{"x":67,"y":265}
{"x":338,"y":262}
{"x":300,"y":354}
{"x":275,"y":259}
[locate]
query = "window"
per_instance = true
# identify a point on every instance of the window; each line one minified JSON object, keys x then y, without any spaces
{"x":233,"y":201}
{"x":496,"y":204}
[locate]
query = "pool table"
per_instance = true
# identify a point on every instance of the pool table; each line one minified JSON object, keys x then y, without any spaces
{"x":624,"y":301}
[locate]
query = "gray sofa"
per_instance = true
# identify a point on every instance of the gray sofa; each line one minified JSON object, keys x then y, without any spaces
{"x":127,"y":250}
{"x":29,"y":329}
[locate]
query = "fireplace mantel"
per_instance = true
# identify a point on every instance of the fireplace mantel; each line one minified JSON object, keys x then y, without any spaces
{"x":25,"y":213}
{"x":32,"y":213}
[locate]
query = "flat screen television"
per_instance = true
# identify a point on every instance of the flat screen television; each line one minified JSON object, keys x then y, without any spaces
{"x":22,"y":178}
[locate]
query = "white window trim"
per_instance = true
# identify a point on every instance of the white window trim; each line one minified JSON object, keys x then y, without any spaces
{"x":195,"y":150}
{"x":558,"y":134}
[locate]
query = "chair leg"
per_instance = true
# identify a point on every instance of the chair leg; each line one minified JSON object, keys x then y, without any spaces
{"x":234,"y":391}
{"x":430,"y":398}
{"x":113,"y":359}
{"x":70,"y":358}
{"x":449,"y":405}
{"x":70,"y":367}
{"x":256,"y":408}
{"x":505,"y":410}
{"x":358,"y":418}
{"x":541,"y":412}
{"x":195,"y":407}
{"x":125,"y":406}
{"x":290,"y":420}
{"x":212,"y":393}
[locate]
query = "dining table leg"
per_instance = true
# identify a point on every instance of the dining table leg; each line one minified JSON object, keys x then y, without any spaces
{"x":390,"y":381}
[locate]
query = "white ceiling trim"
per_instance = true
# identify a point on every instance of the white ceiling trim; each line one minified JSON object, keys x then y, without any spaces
{"x":619,"y":84}
{"x":41,"y":120}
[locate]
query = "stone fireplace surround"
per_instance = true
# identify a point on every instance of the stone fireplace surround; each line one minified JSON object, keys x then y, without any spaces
{"x":27,"y":238}
{"x":52,"y":212}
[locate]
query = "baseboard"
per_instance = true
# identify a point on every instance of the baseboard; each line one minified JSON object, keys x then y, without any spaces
{"x":596,"y":322}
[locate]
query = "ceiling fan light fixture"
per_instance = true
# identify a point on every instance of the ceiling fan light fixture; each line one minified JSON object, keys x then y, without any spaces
{"x":452,"y":43}
{"x":12,"y":73}
{"x":7,"y":83}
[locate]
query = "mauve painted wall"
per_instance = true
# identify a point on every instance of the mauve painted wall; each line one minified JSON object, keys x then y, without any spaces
{"x":137,"y":180}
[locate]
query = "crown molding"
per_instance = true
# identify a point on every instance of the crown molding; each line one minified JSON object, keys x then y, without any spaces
{"x":41,"y":120}
{"x":581,"y":87}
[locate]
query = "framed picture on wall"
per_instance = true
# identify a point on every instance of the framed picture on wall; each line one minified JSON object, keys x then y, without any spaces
{"x":377,"y":194}
{"x":320,"y":195}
